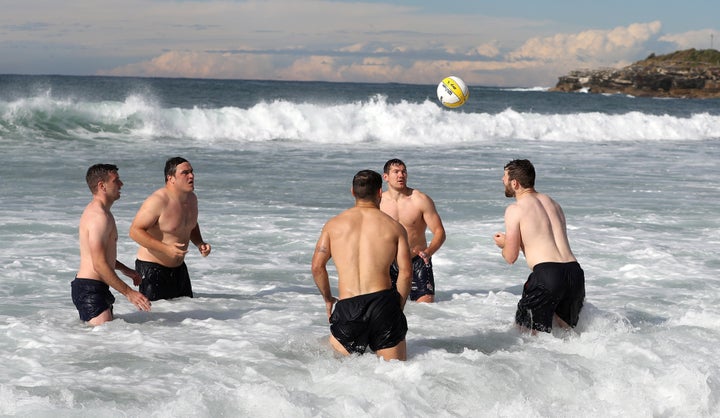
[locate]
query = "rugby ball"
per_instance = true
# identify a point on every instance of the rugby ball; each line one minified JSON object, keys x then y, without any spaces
{"x":452,"y":92}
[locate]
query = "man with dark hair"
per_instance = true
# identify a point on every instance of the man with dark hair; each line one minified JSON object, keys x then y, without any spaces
{"x":363,"y":242}
{"x":98,"y":252}
{"x":164,"y":226}
{"x":416,"y":212}
{"x":535,"y":225}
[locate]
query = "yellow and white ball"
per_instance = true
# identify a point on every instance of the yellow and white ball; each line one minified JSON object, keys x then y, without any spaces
{"x":452,"y":92}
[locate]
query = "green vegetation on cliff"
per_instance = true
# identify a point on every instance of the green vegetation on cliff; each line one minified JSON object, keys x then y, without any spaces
{"x":690,"y":57}
{"x":690,"y":73}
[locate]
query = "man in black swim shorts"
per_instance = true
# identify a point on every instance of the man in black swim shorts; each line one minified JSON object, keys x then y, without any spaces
{"x":91,"y":298}
{"x":98,"y":252}
{"x":556,"y":287}
{"x":423,"y":279}
{"x":551,"y":289}
{"x":164,"y":227}
{"x":363,"y":242}
{"x":416,"y":212}
{"x":160,"y":282}
{"x":374,"y":319}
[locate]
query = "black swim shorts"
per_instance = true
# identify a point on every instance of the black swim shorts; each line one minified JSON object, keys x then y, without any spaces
{"x":91,"y":297}
{"x":423,"y":279}
{"x":160,"y":282}
{"x":374,"y":320}
{"x":552,"y":288}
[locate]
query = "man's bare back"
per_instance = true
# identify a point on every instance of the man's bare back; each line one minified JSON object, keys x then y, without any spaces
{"x":363,"y":242}
{"x":535,"y":225}
{"x":538,"y":221}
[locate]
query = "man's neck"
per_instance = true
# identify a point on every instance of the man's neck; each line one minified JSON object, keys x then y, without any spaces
{"x":103,"y":202}
{"x":364,"y":204}
{"x":524,"y":192}
{"x":176,"y":193}
{"x":397,"y":193}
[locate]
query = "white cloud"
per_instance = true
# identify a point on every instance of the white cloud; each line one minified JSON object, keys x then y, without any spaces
{"x":538,"y":62}
{"x":313,"y":40}
{"x":591,"y":45}
{"x":698,"y":39}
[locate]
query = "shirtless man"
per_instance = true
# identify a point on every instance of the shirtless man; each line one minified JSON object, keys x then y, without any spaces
{"x":363,"y":242}
{"x":416,"y":212}
{"x":98,"y":252}
{"x":165,"y":224}
{"x":535,"y":224}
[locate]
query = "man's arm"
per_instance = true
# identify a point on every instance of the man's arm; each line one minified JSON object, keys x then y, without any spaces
{"x":511,"y":240}
{"x":196,"y":238}
{"x":319,"y":270}
{"x":98,"y":242}
{"x":435,"y":225}
{"x":404,"y":263}
{"x":134,"y":275}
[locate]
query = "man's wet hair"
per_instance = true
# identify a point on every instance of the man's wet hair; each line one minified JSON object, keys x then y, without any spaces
{"x":522,"y":171}
{"x":97,"y":173}
{"x":392,"y":162}
{"x":171,"y":166}
{"x":366,"y":184}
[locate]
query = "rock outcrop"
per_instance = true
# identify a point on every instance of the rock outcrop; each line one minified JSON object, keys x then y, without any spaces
{"x":686,"y":74}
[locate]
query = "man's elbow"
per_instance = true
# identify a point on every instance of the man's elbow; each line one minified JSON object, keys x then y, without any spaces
{"x":510,"y":258}
{"x":317,"y":269}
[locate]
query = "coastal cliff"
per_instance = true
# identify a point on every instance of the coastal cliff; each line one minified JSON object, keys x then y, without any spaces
{"x":683,"y":74}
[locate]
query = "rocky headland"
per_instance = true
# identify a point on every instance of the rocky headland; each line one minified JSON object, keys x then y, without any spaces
{"x":682,"y":74}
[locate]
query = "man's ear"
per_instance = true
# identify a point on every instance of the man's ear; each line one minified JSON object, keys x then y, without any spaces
{"x":352,"y":192}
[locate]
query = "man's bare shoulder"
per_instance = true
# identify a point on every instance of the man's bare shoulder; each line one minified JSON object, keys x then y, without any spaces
{"x":339,"y":219}
{"x":391,"y":222}
{"x":421,"y":200}
{"x":157,"y":199}
{"x":545,"y":198}
{"x":160,"y":193}
{"x":94,"y":210}
{"x":95,"y":218}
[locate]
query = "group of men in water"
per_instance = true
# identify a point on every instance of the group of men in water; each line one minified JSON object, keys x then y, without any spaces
{"x":382,"y":257}
{"x":379,"y":248}
{"x":164,"y":226}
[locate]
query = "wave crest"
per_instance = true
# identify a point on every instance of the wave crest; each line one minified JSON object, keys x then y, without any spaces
{"x":372,"y":120}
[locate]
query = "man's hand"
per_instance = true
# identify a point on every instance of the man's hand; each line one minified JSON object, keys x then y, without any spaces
{"x":177,"y":252}
{"x":139,"y":300}
{"x":499,"y":238}
{"x":329,"y":306}
{"x":204,"y":248}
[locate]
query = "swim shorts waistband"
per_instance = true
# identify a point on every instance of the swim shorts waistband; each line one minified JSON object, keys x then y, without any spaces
{"x":365,"y":295}
{"x":93,"y":282}
{"x":554,"y":263}
{"x":157,"y":265}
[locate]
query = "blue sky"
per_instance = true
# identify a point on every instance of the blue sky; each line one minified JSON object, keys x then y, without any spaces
{"x":522,"y":43}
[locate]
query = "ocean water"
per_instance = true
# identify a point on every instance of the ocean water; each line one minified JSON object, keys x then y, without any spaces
{"x":637,"y":178}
